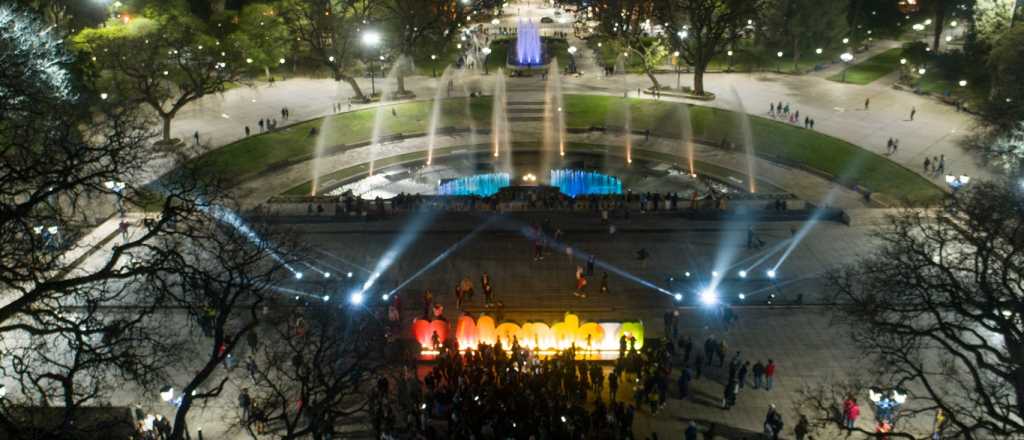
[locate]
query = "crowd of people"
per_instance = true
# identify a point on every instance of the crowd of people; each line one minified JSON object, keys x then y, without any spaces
{"x":782,"y":111}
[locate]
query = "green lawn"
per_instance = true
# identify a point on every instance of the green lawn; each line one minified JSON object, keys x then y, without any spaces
{"x":245,"y":158}
{"x":871,"y":68}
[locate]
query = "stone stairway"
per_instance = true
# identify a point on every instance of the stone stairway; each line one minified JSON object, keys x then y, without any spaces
{"x":525,"y":111}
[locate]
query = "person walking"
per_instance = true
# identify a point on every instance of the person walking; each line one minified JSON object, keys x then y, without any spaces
{"x":246,"y":131}
{"x":729,"y":395}
{"x":590,"y":265}
{"x":196,"y":137}
{"x":691,"y":431}
{"x":913,"y":111}
{"x":867,"y":103}
{"x":773,"y":423}
{"x":252,"y":338}
{"x":769,"y":375}
{"x":685,"y":377}
{"x":741,"y":375}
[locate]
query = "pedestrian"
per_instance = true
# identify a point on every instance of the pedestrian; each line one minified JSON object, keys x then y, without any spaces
{"x":246,"y":131}
{"x":807,"y":122}
{"x":261,"y":125}
{"x":394,"y":112}
{"x":796,"y":115}
{"x":850,"y":413}
{"x":867,"y":103}
{"x":698,"y":366}
{"x":769,"y":375}
{"x":802,"y":428}
{"x":942,"y":163}
{"x":710,"y":345}
{"x":758,"y":371}
{"x":590,"y":265}
{"x":691,"y":431}
{"x":895,"y":145}
{"x":888,"y":146}
{"x":253,"y":340}
{"x":245,"y":403}
{"x":812,"y":124}
{"x":927,"y":163}
{"x":196,"y":137}
{"x":741,"y":376}
{"x":786,"y":109}
{"x":685,"y":377}
{"x":913,"y":111}
{"x":771,"y":108}
{"x":613,"y":385}
{"x":773,"y":423}
{"x":729,"y":395}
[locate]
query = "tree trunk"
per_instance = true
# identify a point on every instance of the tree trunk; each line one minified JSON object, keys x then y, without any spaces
{"x":266,"y":71}
{"x":940,"y":18}
{"x":167,"y":125}
{"x":400,"y":78}
{"x":654,"y":80}
{"x":352,"y":83}
{"x":796,"y":55}
{"x":698,"y":78}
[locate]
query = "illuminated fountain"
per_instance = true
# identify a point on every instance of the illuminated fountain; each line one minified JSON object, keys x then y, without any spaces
{"x":578,"y":183}
{"x":378,"y":119}
{"x":479,"y":185}
{"x":501,"y":137}
{"x":528,"y":50}
{"x":554,"y":117}
{"x":748,"y":141}
{"x":686,"y":136}
{"x":435,"y":115}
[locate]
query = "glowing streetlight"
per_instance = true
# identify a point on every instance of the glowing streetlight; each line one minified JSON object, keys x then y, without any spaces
{"x":846,"y":41}
{"x":903,"y":61}
{"x":818,"y":51}
{"x":743,"y":274}
{"x":356,"y":298}
{"x":678,"y":296}
{"x":298,"y":275}
{"x":963,"y":83}
{"x":104,"y":96}
{"x":846,"y":57}
{"x":487,"y":52}
{"x":372,"y":40}
{"x":771,"y":273}
{"x":709,"y":297}
{"x":921,"y":71}
{"x":572,"y":58}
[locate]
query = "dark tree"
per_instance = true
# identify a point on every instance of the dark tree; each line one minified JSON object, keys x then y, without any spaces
{"x":937,"y":309}
{"x":706,"y":28}
{"x":319,"y":373}
{"x":331,"y":30}
{"x":163,"y":60}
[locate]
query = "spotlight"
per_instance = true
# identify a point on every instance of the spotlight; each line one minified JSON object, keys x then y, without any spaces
{"x":709,"y":297}
{"x":743,"y":297}
{"x":298,"y":275}
{"x":770,"y":273}
{"x":743,"y":274}
{"x":687,"y":274}
{"x":678,"y":296}
{"x":349,"y":275}
{"x":385,"y":297}
{"x":356,"y":298}
{"x":714,"y":274}
{"x":327,"y":297}
{"x":563,"y":419}
{"x":327,"y":274}
{"x":167,"y":393}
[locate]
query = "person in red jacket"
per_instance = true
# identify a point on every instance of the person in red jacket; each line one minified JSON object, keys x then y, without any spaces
{"x":769,"y":375}
{"x":850,"y":413}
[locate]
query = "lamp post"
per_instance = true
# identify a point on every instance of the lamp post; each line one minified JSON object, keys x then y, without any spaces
{"x":372,"y":40}
{"x":433,"y":68}
{"x":117,"y":188}
{"x":729,"y":53}
{"x":778,"y":62}
{"x":678,"y":83}
{"x":572,"y":59}
{"x":487,"y":53}
{"x":846,"y":57}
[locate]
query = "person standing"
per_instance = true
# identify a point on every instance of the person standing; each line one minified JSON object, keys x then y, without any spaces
{"x":196,"y":137}
{"x":590,"y":265}
{"x":729,"y":395}
{"x":769,"y":375}
{"x":850,"y":413}
{"x":245,"y":403}
{"x":246,"y":131}
{"x":741,"y":375}
{"x":867,"y":103}
{"x":685,"y":377}
{"x":913,"y":111}
{"x":691,"y":431}
{"x":773,"y":423}
{"x":758,"y":371}
{"x":802,"y":428}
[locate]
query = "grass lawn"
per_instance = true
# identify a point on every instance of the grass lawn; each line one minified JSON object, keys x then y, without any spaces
{"x":872,"y":68}
{"x":772,"y":139}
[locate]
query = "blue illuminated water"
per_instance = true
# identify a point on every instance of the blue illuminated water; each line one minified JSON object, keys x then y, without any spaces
{"x":528,"y":44}
{"x":479,"y":185}
{"x":577,"y":183}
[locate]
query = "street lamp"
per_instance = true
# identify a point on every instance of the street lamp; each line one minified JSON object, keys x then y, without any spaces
{"x":678,"y":84}
{"x":371,"y":39}
{"x":433,"y":59}
{"x":572,"y":59}
{"x":846,"y":57}
{"x":486,"y":51}
{"x":778,"y":65}
{"x":963,"y":83}
{"x":729,"y":53}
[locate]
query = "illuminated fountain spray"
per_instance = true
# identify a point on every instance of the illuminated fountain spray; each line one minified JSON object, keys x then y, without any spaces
{"x":500,"y":135}
{"x":464,"y":78}
{"x":435,"y":114}
{"x":748,"y":141}
{"x":627,"y":130}
{"x":554,"y":117}
{"x":528,"y":44}
{"x":686,"y":136}
{"x":382,"y":110}
{"x":321,"y":143}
